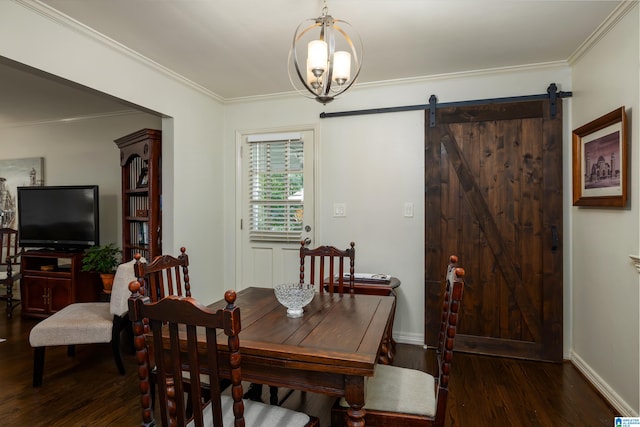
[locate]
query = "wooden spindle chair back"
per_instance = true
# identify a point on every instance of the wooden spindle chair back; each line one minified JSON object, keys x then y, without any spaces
{"x":8,"y":245}
{"x":326,"y":267}
{"x":454,"y":288}
{"x":9,"y":267}
{"x":164,"y":275}
{"x":180,"y":365}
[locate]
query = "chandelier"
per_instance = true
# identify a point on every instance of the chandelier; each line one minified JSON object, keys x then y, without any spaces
{"x":333,"y":60}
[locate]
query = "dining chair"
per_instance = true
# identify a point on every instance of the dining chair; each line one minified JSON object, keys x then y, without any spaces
{"x":164,"y":275}
{"x":190,"y":325}
{"x":9,"y":267}
{"x":397,"y":396}
{"x":85,"y":323}
{"x":326,"y":267}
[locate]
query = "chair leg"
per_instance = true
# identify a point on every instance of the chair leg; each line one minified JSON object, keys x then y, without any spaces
{"x":254,"y":393}
{"x":38,"y":366}
{"x":10,"y":306}
{"x":11,"y":303}
{"x":115,"y":347}
{"x":71,"y":350}
{"x":273,"y":395}
{"x":152,"y":390}
{"x":116,"y":329}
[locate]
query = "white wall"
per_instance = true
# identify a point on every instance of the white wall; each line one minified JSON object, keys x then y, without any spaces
{"x":374,"y":164}
{"x":192,"y":129}
{"x":81,"y":152}
{"x":605,"y":296}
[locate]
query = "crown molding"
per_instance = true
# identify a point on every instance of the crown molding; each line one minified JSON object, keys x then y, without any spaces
{"x":616,"y":15}
{"x":621,"y":10}
{"x":68,"y":22}
{"x":413,"y":80}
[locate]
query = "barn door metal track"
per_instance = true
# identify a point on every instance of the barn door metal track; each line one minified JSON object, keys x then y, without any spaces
{"x":552,"y":95}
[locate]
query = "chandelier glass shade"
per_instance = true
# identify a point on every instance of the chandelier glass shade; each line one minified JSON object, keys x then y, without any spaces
{"x":333,"y":57}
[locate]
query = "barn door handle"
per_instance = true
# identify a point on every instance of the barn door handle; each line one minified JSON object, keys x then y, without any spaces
{"x":554,"y":238}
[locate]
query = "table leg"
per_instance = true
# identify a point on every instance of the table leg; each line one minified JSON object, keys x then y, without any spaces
{"x":392,"y":343}
{"x":354,"y":394}
{"x":383,"y":356}
{"x":388,"y":347}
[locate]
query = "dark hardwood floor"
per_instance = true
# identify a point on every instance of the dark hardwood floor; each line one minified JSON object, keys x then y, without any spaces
{"x":87,"y":391}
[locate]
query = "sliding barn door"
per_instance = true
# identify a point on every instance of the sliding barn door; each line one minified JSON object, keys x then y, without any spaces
{"x":493,"y":197}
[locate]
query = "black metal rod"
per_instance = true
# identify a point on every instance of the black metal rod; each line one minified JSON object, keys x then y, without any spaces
{"x":443,"y":105}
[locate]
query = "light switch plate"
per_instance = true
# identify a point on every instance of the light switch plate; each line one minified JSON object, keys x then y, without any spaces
{"x":408,"y":210}
{"x":339,"y":210}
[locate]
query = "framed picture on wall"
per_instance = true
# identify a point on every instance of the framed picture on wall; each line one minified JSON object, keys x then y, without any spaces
{"x":16,"y":173}
{"x":600,"y":164}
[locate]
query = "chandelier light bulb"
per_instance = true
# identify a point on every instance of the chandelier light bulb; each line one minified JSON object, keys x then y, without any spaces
{"x":341,"y":67}
{"x":317,"y":56}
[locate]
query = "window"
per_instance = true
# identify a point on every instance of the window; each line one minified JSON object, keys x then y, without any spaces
{"x":276,"y":190}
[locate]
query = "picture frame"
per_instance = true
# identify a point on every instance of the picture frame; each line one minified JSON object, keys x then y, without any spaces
{"x":14,"y":173}
{"x":600,"y":163}
{"x":143,"y":179}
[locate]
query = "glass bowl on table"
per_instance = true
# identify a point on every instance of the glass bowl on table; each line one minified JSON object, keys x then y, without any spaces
{"x":294,"y":296}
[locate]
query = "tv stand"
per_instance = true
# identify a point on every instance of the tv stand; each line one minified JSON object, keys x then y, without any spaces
{"x":58,"y":250}
{"x":51,"y":280}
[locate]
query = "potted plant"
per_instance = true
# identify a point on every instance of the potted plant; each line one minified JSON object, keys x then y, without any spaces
{"x":102,"y":260}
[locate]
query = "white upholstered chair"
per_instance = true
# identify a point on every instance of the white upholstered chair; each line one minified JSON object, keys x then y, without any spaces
{"x":85,"y":323}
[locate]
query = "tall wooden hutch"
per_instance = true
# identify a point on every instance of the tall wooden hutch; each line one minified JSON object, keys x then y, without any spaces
{"x":140,"y":160}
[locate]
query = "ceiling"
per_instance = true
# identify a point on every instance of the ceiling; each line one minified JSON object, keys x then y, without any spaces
{"x":239,"y":48}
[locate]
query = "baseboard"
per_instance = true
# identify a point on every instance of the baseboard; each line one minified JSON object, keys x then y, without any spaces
{"x":603,"y":388}
{"x":623,"y":408}
{"x":413,"y":339}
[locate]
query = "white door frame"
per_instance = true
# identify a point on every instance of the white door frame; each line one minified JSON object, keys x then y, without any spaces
{"x":240,"y":135}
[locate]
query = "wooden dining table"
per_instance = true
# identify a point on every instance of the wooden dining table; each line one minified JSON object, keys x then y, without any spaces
{"x":331,"y":349}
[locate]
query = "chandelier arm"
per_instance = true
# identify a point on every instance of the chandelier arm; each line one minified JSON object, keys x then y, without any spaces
{"x":350,"y":42}
{"x":332,"y":48}
{"x":355,"y":55}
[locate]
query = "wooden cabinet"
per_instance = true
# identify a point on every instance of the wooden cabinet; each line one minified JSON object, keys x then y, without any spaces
{"x":140,"y":160}
{"x":52,"y":280}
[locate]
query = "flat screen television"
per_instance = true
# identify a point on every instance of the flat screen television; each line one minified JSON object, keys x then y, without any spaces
{"x":58,"y":217}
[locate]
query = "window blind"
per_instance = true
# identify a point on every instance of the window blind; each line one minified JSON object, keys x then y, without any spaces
{"x":276,"y":190}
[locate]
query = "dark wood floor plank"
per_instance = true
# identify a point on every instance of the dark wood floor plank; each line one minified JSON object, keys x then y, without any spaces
{"x":86,"y":390}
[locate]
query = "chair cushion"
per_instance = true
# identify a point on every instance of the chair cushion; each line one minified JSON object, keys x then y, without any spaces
{"x":401,"y":390}
{"x":78,"y":323}
{"x":120,"y":292}
{"x":256,"y":414}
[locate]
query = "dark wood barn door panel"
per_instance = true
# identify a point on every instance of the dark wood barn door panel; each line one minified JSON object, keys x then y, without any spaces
{"x":493,"y":196}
